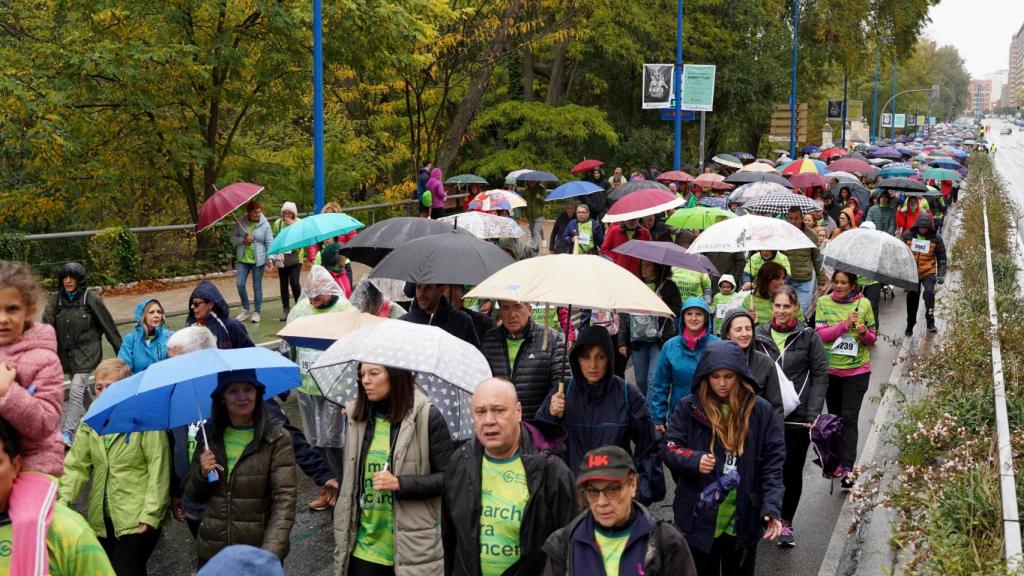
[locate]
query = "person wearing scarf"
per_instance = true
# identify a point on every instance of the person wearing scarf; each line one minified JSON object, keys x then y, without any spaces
{"x":673,"y":374}
{"x":846,"y":324}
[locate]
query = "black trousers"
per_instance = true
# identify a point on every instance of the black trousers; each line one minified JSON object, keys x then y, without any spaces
{"x":357,"y":567}
{"x":724,"y":559}
{"x":798,"y":440}
{"x":874,"y":294}
{"x":927,"y":285}
{"x":129,"y":553}
{"x":288,"y":276}
{"x":437,"y":213}
{"x":844,"y":397}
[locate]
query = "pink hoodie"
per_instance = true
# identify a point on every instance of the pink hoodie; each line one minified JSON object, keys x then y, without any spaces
{"x":33,"y":407}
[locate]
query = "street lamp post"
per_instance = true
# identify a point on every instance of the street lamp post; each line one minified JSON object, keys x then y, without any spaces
{"x":318,"y":107}
{"x":874,"y":103}
{"x":842,"y":138}
{"x":677,"y":160}
{"x":792,"y":91}
{"x":893,"y":98}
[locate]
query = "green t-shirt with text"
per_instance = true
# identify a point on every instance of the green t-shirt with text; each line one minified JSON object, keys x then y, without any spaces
{"x":585,"y":232}
{"x":611,"y":545}
{"x":503,"y":496}
{"x":691,"y":284}
{"x":249,"y":253}
{"x":236,"y":438}
{"x":70,"y":542}
{"x":375,"y":541}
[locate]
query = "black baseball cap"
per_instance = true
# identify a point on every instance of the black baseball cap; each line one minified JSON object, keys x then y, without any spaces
{"x":609,"y":463}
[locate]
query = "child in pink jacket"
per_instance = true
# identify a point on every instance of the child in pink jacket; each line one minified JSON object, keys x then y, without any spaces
{"x":31,"y":394}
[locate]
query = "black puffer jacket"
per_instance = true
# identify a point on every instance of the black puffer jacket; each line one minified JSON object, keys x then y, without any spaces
{"x":537,"y":369}
{"x":803,"y":362}
{"x":763,"y":370}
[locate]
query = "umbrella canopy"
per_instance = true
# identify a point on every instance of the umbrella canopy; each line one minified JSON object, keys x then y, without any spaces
{"x":940,"y":175}
{"x":377,"y":240}
{"x":630,"y":187}
{"x":727,"y":160}
{"x":892,"y":171}
{"x":466,"y":179}
{"x":948,"y":163}
{"x":447,"y":369}
{"x":698,"y":218}
{"x":642,"y":203}
{"x":515,"y":174}
{"x":710,"y":181}
{"x":857,"y":190}
{"x":453,"y":258}
{"x":831,"y":154}
{"x":485,"y":226}
{"x":714,"y":202}
{"x":886,"y":152}
{"x":312,"y":229}
{"x":853,"y":165}
{"x":758,"y":166}
{"x":536,"y":176}
{"x":903,"y":185}
{"x":674,"y":176}
{"x":176,"y":392}
{"x":586,"y":166}
{"x":749,"y":192}
{"x":805,"y":180}
{"x":667,"y":254}
{"x":812,"y":149}
{"x":319,"y":331}
{"x":742,"y":177}
{"x":873,"y":254}
{"x":744,"y":156}
{"x":750,"y":232}
{"x":492,"y":200}
{"x":572,"y":189}
{"x":804,"y":166}
{"x":779,"y":203}
{"x":224,"y":202}
{"x":572,"y":280}
{"x":841,"y":176}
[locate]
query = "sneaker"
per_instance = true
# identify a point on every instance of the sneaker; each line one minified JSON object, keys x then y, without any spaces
{"x":931,"y":328}
{"x":787,"y":538}
{"x":847,"y":482}
{"x":909,"y":331}
{"x":284,"y":315}
{"x":69,"y":438}
{"x":323,"y":501}
{"x":255,"y":318}
{"x":243,"y":315}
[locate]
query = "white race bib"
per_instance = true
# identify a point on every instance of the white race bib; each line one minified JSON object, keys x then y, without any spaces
{"x":845,"y":345}
{"x":584,"y":239}
{"x":730,"y":463}
{"x":920,"y":246}
{"x":307,"y":358}
{"x":720,"y":310}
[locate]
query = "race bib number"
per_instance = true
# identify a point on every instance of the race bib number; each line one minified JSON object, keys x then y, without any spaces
{"x":730,"y":463}
{"x":920,"y":246}
{"x":584,"y":239}
{"x":720,"y":310}
{"x":846,"y":345}
{"x":306,"y":359}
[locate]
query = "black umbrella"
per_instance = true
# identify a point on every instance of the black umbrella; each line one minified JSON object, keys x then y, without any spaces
{"x":450,"y":258}
{"x":633,"y":186}
{"x":745,"y":157}
{"x":742,"y":177}
{"x":536,"y":176}
{"x":857,"y":190}
{"x":372,"y":244}
{"x":903,"y":185}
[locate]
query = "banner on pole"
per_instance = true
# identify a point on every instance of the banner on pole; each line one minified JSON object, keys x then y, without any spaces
{"x":854,"y":109}
{"x":931,"y":121}
{"x":911,"y":121}
{"x":887,"y":120}
{"x":658,"y":87}
{"x":699,"y":87}
{"x":921,"y":120}
{"x":835,"y":110}
{"x":901,"y":120}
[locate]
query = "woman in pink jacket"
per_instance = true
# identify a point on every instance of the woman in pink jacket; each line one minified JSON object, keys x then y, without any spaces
{"x":437,"y":194}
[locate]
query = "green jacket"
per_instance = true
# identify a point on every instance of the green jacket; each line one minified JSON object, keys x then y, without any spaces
{"x":806,"y":262}
{"x":81,"y":323}
{"x":133,"y":475}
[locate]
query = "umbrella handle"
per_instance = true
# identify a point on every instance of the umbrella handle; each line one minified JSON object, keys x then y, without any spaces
{"x":212,"y":476}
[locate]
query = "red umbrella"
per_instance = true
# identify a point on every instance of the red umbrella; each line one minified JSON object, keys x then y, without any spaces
{"x":224,"y":202}
{"x":832,"y":153}
{"x":586,"y":165}
{"x":674,"y":176}
{"x":851,"y":165}
{"x":807,"y":180}
{"x":710,"y":181}
{"x":642,"y":203}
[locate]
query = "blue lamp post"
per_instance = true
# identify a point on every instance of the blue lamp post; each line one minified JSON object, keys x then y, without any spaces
{"x":677,"y":160}
{"x":318,"y":107}
{"x":792,"y":91}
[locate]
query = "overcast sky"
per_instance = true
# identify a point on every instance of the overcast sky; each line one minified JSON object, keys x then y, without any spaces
{"x":980,"y":29}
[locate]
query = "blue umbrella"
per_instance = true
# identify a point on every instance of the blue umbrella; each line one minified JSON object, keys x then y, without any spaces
{"x":946,"y":163}
{"x":714,"y":202}
{"x":313,"y":229}
{"x":176,"y":392}
{"x":895,"y":171}
{"x":572,"y":189}
{"x":812,"y":149}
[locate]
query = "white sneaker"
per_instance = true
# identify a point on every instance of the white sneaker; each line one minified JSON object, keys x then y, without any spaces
{"x":243,"y":315}
{"x":255,"y":318}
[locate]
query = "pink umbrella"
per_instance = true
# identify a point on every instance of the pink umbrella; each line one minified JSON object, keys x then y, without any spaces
{"x":850,"y":165}
{"x":642,"y":203}
{"x":224,"y":202}
{"x":807,"y":180}
{"x":710,"y":181}
{"x":832,"y":153}
{"x":674,"y":176}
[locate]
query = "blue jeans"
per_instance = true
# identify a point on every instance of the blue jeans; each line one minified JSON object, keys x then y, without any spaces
{"x":645,"y":360}
{"x":804,"y":293}
{"x":242,"y":271}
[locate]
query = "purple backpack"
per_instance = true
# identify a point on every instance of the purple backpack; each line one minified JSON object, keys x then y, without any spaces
{"x":827,"y":440}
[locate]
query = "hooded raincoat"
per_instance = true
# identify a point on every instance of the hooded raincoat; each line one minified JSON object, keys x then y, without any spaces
{"x":676,"y":364}
{"x":230,"y":333}
{"x":766,"y":377}
{"x":436,"y":187}
{"x":140,"y":348}
{"x":81,"y":320}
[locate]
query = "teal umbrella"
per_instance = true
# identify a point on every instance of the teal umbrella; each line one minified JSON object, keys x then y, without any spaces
{"x":313,"y":229}
{"x":465,"y":179}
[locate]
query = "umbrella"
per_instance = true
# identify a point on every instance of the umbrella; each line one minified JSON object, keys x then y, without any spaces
{"x":667,"y":254}
{"x":572,"y":280}
{"x":176,"y":392}
{"x":453,"y":258}
{"x":758,"y":166}
{"x":873,"y":254}
{"x":319,"y":331}
{"x":767,"y":161}
{"x":906,"y":152}
{"x":887,"y":152}
{"x":748,"y":192}
{"x":492,"y":200}
{"x":377,"y":240}
{"x":744,"y":156}
{"x":466,"y":179}
{"x":879,"y":162}
{"x":831,"y":153}
{"x":806,"y":180}
{"x":812,"y":149}
{"x":674,"y":176}
{"x":485,"y":226}
{"x":586,"y":166}
{"x":891,"y":171}
{"x":512,"y":176}
{"x":310,"y":230}
{"x":536,"y":176}
{"x":751,"y":232}
{"x":698,"y":218}
{"x":903,"y":185}
{"x":857,"y":190}
{"x":940,"y":175}
{"x":630,"y":187}
{"x":727,"y":160}
{"x":714,"y":202}
{"x":804,"y":166}
{"x":642,"y":203}
{"x":742,"y":177}
{"x":572,"y":189}
{"x":446,"y":368}
{"x":841,"y":176}
{"x":224,"y":202}
{"x":779,"y":203}
{"x":710,"y":181}
{"x":948,"y":163}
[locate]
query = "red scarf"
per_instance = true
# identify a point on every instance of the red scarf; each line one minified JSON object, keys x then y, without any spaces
{"x":780,"y":328}
{"x":691,"y":341}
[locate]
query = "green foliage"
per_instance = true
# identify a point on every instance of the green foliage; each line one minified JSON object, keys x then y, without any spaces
{"x":114,"y":256}
{"x":13,"y":246}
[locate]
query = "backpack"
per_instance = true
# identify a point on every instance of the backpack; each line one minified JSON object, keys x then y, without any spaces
{"x":426,"y":199}
{"x":827,"y":441}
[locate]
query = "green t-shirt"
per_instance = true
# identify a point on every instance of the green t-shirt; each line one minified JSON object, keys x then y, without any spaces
{"x":691,"y":284}
{"x":763,"y":309}
{"x":725,"y":522}
{"x":780,"y":341}
{"x":70,"y":543}
{"x":513,"y":345}
{"x":534,"y":202}
{"x":236,"y":438}
{"x":845,"y":352}
{"x":756,"y":261}
{"x":718,"y":304}
{"x":611,"y":545}
{"x":503,"y":496}
{"x":538,"y":313}
{"x":375,"y":541}
{"x":586,"y":235}
{"x":249,"y":253}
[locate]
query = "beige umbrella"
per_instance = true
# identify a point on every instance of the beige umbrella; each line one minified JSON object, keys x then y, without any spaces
{"x":319,"y":331}
{"x":758,"y":167}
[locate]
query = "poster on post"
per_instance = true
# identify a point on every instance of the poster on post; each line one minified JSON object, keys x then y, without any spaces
{"x":659,"y":85}
{"x":698,"y":87}
{"x":886,"y":120}
{"x":835,"y":110}
{"x":901,"y":120}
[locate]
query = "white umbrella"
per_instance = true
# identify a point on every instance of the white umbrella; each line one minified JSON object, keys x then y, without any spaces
{"x":750,"y":232}
{"x":484,"y":225}
{"x":875,"y":255}
{"x":843,"y":176}
{"x":447,"y":368}
{"x":758,"y":167}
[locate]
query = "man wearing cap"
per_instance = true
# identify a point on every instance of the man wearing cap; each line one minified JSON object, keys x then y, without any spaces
{"x":615,"y":535}
{"x":505,"y":493}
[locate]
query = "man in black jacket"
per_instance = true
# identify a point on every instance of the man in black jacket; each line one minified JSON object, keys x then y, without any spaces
{"x":431,"y":308}
{"x":504,"y":492}
{"x":517,"y":350}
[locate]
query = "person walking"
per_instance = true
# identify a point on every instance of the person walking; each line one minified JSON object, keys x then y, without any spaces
{"x":128,"y":482}
{"x":505,"y":493}
{"x":882,"y":214}
{"x":770,"y":278}
{"x":556,"y":243}
{"x":908,"y":214}
{"x":435,"y":185}
{"x":432,"y":309}
{"x":616,"y":535}
{"x":288,"y":265}
{"x":642,"y":336}
{"x":620,"y":233}
{"x":147,"y":344}
{"x":673,"y":375}
{"x":252,"y":239}
{"x":422,"y":178}
{"x":798,"y":351}
{"x":389,"y":508}
{"x":805,"y":264}
{"x":846,"y":326}
{"x":208,"y":308}
{"x":583,"y":235}
{"x":738,"y":326}
{"x":81,"y":321}
{"x":929,"y":252}
{"x":534,"y":194}
{"x":726,"y":452}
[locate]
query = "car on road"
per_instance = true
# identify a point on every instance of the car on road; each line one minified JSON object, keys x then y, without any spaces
{"x":1006,"y":130}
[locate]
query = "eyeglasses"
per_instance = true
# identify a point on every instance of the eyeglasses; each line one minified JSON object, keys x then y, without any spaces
{"x":611,"y":492}
{"x":198,"y":303}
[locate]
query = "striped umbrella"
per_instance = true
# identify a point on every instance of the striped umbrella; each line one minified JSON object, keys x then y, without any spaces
{"x":804,"y":166}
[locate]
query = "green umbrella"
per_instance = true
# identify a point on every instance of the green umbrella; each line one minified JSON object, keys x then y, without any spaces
{"x":465,"y":179}
{"x":312,"y":229}
{"x":699,"y":218}
{"x":940,"y":174}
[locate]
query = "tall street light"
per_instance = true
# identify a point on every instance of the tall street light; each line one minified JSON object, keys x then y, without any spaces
{"x":318,"y":107}
{"x":792,"y":91}
{"x":874,"y":103}
{"x":677,"y":160}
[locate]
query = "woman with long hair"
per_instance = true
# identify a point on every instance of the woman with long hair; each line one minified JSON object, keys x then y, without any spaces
{"x":388,"y":516}
{"x":725,"y":450}
{"x":770,"y":278}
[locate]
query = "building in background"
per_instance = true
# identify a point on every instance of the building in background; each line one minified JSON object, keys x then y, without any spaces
{"x":979,"y":101}
{"x":999,"y":79}
{"x":1015,"y":78}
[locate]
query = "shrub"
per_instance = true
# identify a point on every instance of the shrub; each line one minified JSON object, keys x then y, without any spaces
{"x":114,"y":256}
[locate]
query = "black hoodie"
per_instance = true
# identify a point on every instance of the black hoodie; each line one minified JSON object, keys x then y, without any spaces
{"x":230,"y":333}
{"x":455,"y":322}
{"x":766,"y":377}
